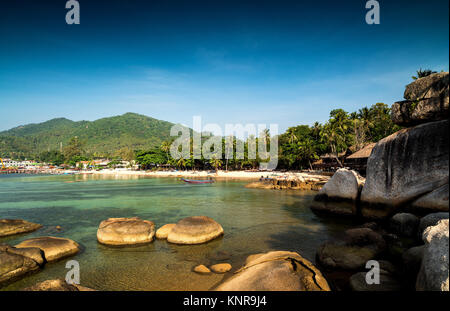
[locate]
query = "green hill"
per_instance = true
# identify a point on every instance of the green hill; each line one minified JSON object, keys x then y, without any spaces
{"x":102,"y":137}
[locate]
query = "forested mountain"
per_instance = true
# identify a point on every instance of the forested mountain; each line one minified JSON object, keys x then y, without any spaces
{"x":102,"y":137}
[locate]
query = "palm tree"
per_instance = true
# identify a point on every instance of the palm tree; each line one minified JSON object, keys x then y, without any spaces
{"x":181,"y":162}
{"x":216,"y":163}
{"x":165,"y":146}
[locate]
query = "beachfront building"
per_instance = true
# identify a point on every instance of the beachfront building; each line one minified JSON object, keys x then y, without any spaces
{"x":358,"y":160}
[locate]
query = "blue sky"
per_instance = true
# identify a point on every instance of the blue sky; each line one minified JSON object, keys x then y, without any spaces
{"x":284,"y":62}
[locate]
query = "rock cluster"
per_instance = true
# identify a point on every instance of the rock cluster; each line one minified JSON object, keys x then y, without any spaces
{"x":406,"y":171}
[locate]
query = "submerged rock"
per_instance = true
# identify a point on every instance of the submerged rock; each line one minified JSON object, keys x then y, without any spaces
{"x":221,"y":267}
{"x":125,"y":231}
{"x":276,"y":271}
{"x":404,"y":224}
{"x":202,"y":269}
{"x":387,"y":282}
{"x":359,"y":246}
{"x":433,"y":275}
{"x":54,"y":248}
{"x":163,"y":232}
{"x":405,"y":165}
{"x":195,"y":230}
{"x":57,"y":285}
{"x":16,"y":226}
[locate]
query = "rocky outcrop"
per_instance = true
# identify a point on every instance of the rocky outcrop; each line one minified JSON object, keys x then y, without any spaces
{"x":404,"y":224}
{"x":58,"y":286}
{"x":195,"y":230}
{"x":16,"y":226}
{"x":54,"y":248}
{"x":412,"y":260}
{"x":125,"y":231}
{"x":339,"y":195}
{"x":276,"y":271}
{"x":427,"y":99}
{"x":31,"y":252}
{"x":404,"y":166}
{"x":163,"y":232}
{"x":433,"y":275}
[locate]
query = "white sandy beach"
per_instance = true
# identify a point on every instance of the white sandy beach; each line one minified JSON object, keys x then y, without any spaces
{"x":246,"y":175}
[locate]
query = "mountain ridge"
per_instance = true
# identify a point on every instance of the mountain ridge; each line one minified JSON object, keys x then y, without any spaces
{"x":103,"y":136}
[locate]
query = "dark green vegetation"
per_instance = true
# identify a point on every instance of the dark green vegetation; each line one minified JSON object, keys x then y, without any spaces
{"x":101,"y":138}
{"x":147,"y":140}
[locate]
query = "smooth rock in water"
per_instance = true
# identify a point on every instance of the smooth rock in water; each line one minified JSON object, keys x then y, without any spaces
{"x":195,"y":230}
{"x":54,"y":248}
{"x":412,"y":259}
{"x":436,"y":200}
{"x":404,"y":224}
{"x":16,"y":226}
{"x":221,"y":267}
{"x":202,"y":269}
{"x":31,"y":252}
{"x":125,"y":231}
{"x":338,"y":195}
{"x":163,"y":232}
{"x":430,"y":86}
{"x":405,"y":165}
{"x":433,"y":274}
{"x":14,"y":267}
{"x":387,"y":283}
{"x":430,"y":220}
{"x":276,"y":271}
{"x":57,"y":285}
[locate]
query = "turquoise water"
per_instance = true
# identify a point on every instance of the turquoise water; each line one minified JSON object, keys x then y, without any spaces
{"x":254,"y":221}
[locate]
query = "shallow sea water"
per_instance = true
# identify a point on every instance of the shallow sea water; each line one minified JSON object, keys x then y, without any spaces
{"x":254,"y":221}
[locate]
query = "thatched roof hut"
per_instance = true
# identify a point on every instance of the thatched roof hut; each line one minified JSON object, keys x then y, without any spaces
{"x":363,"y":153}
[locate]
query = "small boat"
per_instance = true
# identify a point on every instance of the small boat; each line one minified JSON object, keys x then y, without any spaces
{"x":191,"y":181}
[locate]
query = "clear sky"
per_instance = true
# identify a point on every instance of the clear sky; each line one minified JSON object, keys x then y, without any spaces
{"x":285,"y":62}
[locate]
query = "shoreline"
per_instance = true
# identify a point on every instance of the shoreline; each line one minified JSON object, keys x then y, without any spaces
{"x":240,"y":175}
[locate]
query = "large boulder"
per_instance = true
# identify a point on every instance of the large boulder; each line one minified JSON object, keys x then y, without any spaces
{"x":436,"y":200}
{"x":125,"y":231}
{"x":276,"y":271}
{"x":404,"y":224}
{"x":16,"y":226}
{"x":15,"y":266}
{"x":195,"y":230}
{"x":430,"y":86}
{"x":404,"y":166}
{"x":430,"y":220}
{"x":427,"y":100}
{"x":57,"y":285}
{"x":433,"y":275}
{"x":54,"y":248}
{"x":339,"y":195}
